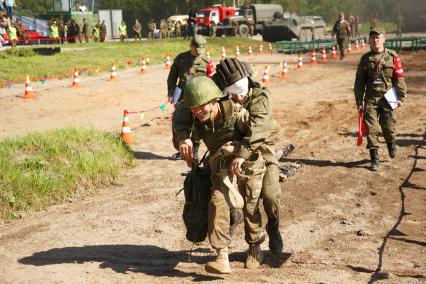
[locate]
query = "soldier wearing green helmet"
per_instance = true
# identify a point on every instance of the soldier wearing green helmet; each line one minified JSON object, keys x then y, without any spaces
{"x":221,"y":125}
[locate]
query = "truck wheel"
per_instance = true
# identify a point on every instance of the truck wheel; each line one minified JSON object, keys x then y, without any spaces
{"x":319,"y":33}
{"x":301,"y":36}
{"x":243,"y":30}
{"x":308,"y":34}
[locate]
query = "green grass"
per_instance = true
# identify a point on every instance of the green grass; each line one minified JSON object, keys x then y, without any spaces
{"x":14,"y":66}
{"x":44,"y":168}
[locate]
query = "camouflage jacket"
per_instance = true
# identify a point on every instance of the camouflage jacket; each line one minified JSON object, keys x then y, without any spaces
{"x":342,"y":30}
{"x":184,"y":67}
{"x":376,"y":74}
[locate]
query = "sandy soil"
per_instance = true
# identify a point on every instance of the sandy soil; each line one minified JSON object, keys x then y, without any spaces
{"x":341,"y":223}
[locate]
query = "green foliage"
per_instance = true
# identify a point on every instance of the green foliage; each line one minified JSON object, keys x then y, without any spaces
{"x":17,"y":52}
{"x":44,"y":168}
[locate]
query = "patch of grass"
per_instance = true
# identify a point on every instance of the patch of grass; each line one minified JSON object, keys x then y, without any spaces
{"x":93,"y":55}
{"x":43,"y":168}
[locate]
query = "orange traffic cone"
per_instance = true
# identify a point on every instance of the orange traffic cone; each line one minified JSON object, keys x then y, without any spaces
{"x":75,"y":80}
{"x":270,"y":48}
{"x":223,"y":53}
{"x":299,"y":63}
{"x":284,"y":73}
{"x":210,"y":69}
{"x":28,"y":94}
{"x":362,"y":43}
{"x":356,"y":45}
{"x":313,"y":58}
{"x":168,"y":62}
{"x":143,"y":67}
{"x":266,"y":75}
{"x":125,"y":130}
{"x":260,"y":49}
{"x":113,"y":72}
{"x":323,"y":55}
{"x":349,"y":51}
{"x":333,"y":52}
{"x":250,"y":51}
{"x":237,"y":52}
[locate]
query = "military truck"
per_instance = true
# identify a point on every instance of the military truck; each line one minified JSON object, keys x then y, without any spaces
{"x":258,"y":14}
{"x":289,"y":26}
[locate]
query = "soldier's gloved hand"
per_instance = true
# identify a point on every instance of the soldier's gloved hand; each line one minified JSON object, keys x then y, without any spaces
{"x":236,"y":165}
{"x":359,"y":108}
{"x":186,"y":149}
{"x":170,"y":99}
{"x":400,"y":103}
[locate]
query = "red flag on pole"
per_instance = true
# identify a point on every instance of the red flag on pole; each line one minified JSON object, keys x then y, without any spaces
{"x":362,"y":127}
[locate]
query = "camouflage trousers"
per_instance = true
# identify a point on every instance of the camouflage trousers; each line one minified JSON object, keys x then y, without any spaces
{"x":342,"y":43}
{"x":375,"y":115}
{"x":271,"y":191}
{"x":250,"y":188}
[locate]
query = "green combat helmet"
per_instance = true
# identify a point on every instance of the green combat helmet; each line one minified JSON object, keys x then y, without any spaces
{"x":199,"y":91}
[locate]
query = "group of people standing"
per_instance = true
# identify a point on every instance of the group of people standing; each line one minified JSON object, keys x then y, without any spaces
{"x":71,"y":32}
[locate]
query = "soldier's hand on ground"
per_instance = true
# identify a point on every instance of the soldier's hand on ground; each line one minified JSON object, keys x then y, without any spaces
{"x":186,"y":149}
{"x":236,"y":165}
{"x":359,"y":108}
{"x":400,"y":103}
{"x":170,"y":99}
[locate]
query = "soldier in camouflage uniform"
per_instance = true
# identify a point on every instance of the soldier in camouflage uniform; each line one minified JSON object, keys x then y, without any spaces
{"x":379,"y":70}
{"x":186,"y":65}
{"x":234,"y":78}
{"x":222,"y":127}
{"x":342,"y":30}
{"x":151,"y":28}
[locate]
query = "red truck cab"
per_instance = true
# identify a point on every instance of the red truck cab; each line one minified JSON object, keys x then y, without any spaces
{"x":215,"y":14}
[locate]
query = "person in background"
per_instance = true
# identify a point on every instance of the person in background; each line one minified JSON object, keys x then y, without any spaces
{"x":102,"y":31}
{"x":122,"y":29}
{"x":137,"y":28}
{"x":342,"y":31}
{"x":85,"y":30}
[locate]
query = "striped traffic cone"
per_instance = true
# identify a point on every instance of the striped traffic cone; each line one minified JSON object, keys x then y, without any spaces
{"x":313,"y":58}
{"x":210,"y":69}
{"x":168,"y":62}
{"x":299,"y":63}
{"x":28,"y":94}
{"x":237,"y":52}
{"x":223,"y":55}
{"x":125,"y":129}
{"x":356,"y":45}
{"x":266,"y":75}
{"x":333,"y":52}
{"x":362,"y":43}
{"x":323,"y":55}
{"x":349,"y":51}
{"x":75,"y":80}
{"x":143,"y":67}
{"x":284,"y":73}
{"x":260,"y":49}
{"x":250,"y":51}
{"x":113,"y":72}
{"x":270,"y":48}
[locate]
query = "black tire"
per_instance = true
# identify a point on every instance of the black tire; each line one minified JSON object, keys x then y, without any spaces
{"x":243,"y":30}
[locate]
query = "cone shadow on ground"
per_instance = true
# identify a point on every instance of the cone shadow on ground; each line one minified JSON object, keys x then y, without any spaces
{"x":147,"y":259}
{"x":140,"y":155}
{"x":325,"y":163}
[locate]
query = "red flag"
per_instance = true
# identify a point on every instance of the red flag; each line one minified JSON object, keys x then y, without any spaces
{"x":362,"y":127}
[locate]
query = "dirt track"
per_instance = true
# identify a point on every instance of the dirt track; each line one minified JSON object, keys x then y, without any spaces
{"x":341,"y":223}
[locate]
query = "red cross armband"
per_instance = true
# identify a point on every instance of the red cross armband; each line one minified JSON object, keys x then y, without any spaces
{"x":398,"y":72}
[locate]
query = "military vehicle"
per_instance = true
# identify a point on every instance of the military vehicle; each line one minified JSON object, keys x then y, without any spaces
{"x":258,"y":14}
{"x":289,"y":26}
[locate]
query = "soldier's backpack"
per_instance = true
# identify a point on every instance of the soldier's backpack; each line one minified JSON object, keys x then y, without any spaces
{"x":197,"y":192}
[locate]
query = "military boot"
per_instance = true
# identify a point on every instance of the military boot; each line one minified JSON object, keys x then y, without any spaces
{"x":392,"y":149}
{"x":374,"y":159}
{"x":221,"y":264}
{"x":254,"y":258}
{"x":275,"y":240}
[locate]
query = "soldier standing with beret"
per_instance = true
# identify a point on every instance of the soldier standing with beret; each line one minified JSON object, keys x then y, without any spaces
{"x":379,"y":71}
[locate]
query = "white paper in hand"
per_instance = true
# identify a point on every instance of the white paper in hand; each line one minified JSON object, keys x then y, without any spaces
{"x":392,"y":98}
{"x":176,"y":94}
